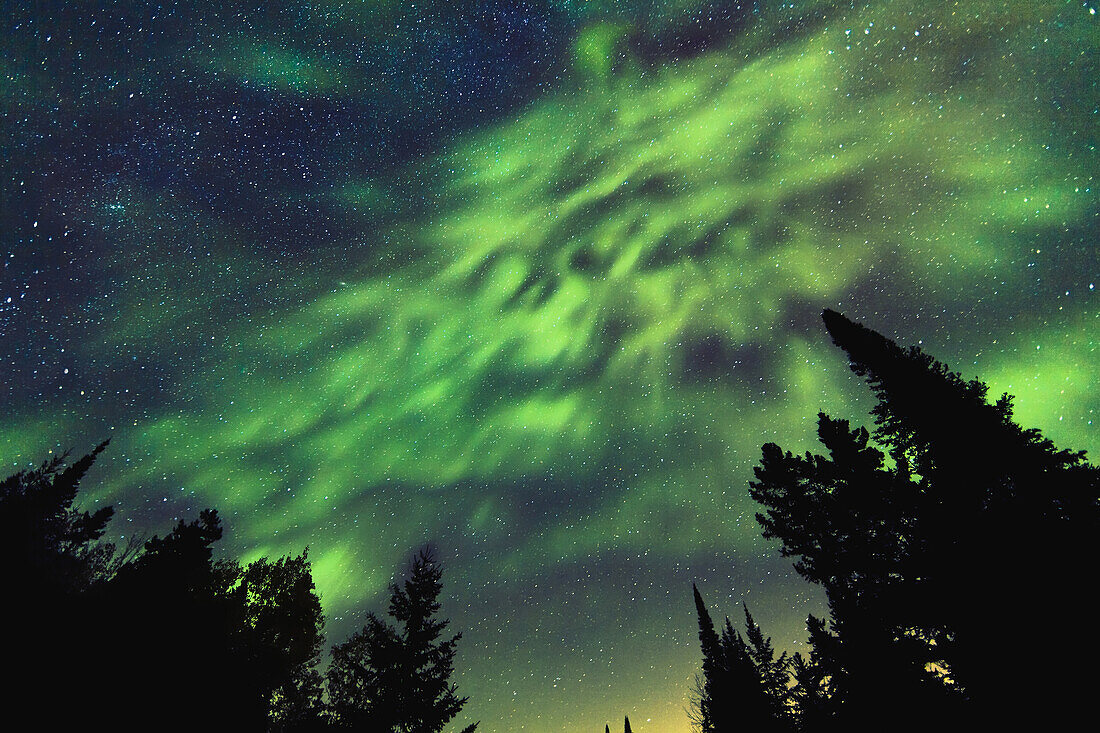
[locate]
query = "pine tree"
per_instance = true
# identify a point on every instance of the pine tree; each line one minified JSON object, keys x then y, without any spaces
{"x":774,"y":672}
{"x":922,"y":544}
{"x":397,"y":679}
{"x":52,"y":558}
{"x":711,"y":712}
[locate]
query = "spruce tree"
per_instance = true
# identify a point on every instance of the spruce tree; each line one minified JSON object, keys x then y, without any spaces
{"x":742,"y":684}
{"x":924,"y":533}
{"x":396,"y":679}
{"x":711,"y":712}
{"x":774,"y":672}
{"x":813,"y":705}
{"x":53,"y":557}
{"x":51,"y":549}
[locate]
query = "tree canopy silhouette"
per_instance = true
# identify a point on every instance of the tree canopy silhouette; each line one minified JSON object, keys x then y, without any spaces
{"x":49,"y":546}
{"x":396,"y":679}
{"x":148,"y":633}
{"x":926,"y":535}
{"x":743,"y":684}
{"x":165,"y":636}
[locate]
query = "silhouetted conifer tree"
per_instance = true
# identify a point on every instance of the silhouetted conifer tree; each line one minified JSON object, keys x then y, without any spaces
{"x":743,"y":684}
{"x":397,"y":679}
{"x":774,"y":672}
{"x":52,"y":556}
{"x":924,"y":545}
{"x":49,"y":547}
{"x":143,"y":637}
{"x":169,"y":610}
{"x":812,"y":704}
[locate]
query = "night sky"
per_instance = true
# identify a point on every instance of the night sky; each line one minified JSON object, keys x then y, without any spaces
{"x":530,"y":281}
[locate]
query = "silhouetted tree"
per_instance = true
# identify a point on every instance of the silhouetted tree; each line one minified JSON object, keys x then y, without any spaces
{"x":922,"y":545}
{"x":170,"y":608}
{"x":743,"y":684}
{"x":812,"y":704}
{"x":774,"y":672}
{"x":152,"y":633}
{"x":397,"y":679}
{"x":52,"y":556}
{"x":51,"y":549}
{"x":712,"y":711}
{"x":626,"y":726}
{"x":281,"y":632}
{"x":245,"y":640}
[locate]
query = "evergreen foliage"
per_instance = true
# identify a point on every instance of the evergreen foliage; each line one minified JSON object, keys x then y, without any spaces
{"x":281,"y":616}
{"x":181,"y":631}
{"x":396,"y":679}
{"x":157,"y":629}
{"x":925,"y":535}
{"x":50,"y":546}
{"x":743,"y":683}
{"x":812,"y":703}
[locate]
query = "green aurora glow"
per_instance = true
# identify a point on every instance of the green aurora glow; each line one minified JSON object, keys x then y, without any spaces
{"x":555,"y":344}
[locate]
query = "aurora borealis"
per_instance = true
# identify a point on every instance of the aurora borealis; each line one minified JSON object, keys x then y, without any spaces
{"x":531,"y":281}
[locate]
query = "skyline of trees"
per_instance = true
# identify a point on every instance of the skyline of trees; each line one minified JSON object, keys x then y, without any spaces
{"x":156,"y":634}
{"x":748,"y":668}
{"x":912,"y":529}
{"x":914,"y":532}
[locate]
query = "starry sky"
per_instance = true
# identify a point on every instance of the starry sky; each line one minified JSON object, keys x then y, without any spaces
{"x":530,"y":280}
